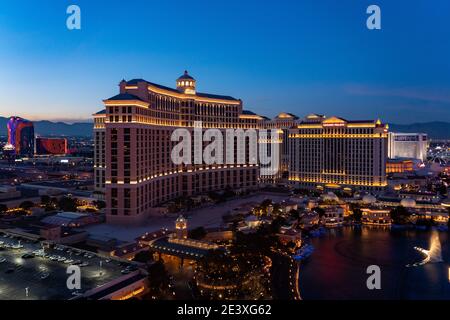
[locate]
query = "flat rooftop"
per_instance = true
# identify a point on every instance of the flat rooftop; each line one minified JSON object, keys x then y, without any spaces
{"x":61,"y":184}
{"x":46,"y":279}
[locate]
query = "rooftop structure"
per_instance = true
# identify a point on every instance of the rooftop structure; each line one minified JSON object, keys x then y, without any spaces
{"x":408,"y":145}
{"x":21,"y":136}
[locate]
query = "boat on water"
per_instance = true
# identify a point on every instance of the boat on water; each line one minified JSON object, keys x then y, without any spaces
{"x":304,"y":252}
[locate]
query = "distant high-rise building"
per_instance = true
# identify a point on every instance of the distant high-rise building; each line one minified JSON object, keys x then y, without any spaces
{"x":99,"y":153}
{"x":283,"y":122}
{"x":334,"y":153}
{"x":408,"y":145}
{"x":49,"y":146}
{"x":21,"y":136}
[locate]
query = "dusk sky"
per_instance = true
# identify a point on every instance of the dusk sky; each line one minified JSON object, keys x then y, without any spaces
{"x":295,"y":56}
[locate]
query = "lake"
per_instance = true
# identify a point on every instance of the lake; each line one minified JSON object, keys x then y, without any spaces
{"x":337,"y":268}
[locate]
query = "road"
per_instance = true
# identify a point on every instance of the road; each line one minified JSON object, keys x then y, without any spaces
{"x":208,"y":217}
{"x":285,"y":272}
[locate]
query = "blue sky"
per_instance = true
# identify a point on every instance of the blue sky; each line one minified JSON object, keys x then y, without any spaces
{"x":297,"y":56}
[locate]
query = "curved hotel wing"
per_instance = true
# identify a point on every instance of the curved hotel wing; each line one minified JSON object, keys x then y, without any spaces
{"x":133,"y":165}
{"x":336,"y":153}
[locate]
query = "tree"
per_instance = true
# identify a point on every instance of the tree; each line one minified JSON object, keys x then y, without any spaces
{"x":276,"y":208}
{"x":400,"y":215}
{"x":197,"y":233}
{"x":3,"y":208}
{"x":100,"y":204}
{"x":266,"y":203}
{"x":143,"y":256}
{"x":216,"y":197}
{"x":26,"y":205}
{"x":295,"y":214}
{"x":357,"y":215}
{"x":158,"y":276}
{"x":276,"y":224}
{"x":425,"y":222}
{"x":45,"y":199}
{"x":320,"y":211}
{"x":68,"y":204}
{"x":441,"y":189}
{"x":229,"y":192}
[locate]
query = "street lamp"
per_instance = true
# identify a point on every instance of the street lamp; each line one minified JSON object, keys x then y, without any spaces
{"x":101,"y":271}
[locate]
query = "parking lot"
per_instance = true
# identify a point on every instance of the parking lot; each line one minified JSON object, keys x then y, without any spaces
{"x":27,"y":271}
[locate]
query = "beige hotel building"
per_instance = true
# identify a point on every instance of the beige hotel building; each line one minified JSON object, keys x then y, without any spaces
{"x":132,"y":158}
{"x":334,"y":153}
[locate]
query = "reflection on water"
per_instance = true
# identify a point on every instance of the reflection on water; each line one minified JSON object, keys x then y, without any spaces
{"x":337,"y":268}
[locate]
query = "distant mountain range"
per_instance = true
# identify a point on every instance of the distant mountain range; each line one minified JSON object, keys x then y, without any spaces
{"x":49,"y":128}
{"x":435,"y":130}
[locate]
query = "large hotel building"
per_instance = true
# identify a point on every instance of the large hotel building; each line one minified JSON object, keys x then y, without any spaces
{"x":133,"y":165}
{"x":335,"y":153}
{"x":135,"y":173}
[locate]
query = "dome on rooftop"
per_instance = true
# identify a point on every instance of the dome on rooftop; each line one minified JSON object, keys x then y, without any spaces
{"x":369,"y":199}
{"x":408,"y":203}
{"x":330,"y":196}
{"x":185,"y":76}
{"x":186,"y":83}
{"x":181,"y":219}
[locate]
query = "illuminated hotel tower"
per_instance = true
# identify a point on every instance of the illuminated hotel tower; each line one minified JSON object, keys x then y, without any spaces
{"x":133,"y":165}
{"x":21,"y":136}
{"x":283,"y":122}
{"x":99,"y":154}
{"x":334,"y":153}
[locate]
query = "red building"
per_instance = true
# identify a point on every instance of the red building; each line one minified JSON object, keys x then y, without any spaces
{"x":51,"y":146}
{"x":21,"y":136}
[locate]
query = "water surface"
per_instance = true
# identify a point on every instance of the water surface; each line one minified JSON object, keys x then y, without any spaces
{"x":337,"y":268}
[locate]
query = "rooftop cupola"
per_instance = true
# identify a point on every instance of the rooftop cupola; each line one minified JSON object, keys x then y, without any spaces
{"x":186,"y":83}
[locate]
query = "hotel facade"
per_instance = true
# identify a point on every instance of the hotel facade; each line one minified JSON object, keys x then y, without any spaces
{"x":408,"y":145}
{"x":334,"y":153}
{"x":132,"y":155}
{"x":135,"y":174}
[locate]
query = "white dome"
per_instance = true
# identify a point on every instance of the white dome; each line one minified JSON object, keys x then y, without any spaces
{"x":408,"y":203}
{"x":369,"y":199}
{"x":330,"y":196}
{"x":181,"y":219}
